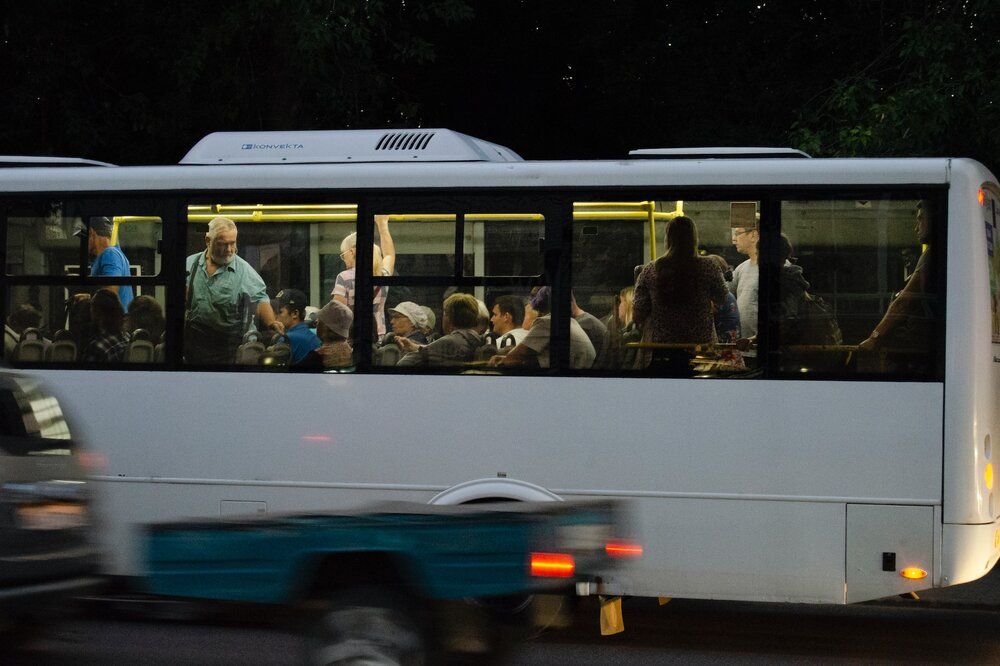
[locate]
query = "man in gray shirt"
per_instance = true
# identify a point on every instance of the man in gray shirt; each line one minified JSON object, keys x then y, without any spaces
{"x":591,"y":325}
{"x":746,"y":278}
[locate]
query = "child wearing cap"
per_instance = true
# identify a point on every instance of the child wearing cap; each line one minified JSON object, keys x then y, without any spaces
{"x":291,"y":312}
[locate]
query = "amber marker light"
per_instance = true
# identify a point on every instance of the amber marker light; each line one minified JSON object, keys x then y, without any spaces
{"x":982,"y":197}
{"x":552,"y":565}
{"x":988,"y":476}
{"x":913,"y":573}
{"x":623,"y":549}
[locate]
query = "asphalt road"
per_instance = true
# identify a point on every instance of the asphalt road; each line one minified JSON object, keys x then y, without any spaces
{"x":683,"y":631}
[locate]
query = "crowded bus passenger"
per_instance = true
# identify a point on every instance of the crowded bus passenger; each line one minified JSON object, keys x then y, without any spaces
{"x":483,"y":322}
{"x":907,"y":326}
{"x":108,"y":259}
{"x":614,"y":353}
{"x":591,"y":325}
{"x":460,"y":340}
{"x":223,"y":294}
{"x":24,"y":316}
{"x":407,"y":320}
{"x":333,"y":327}
{"x":78,"y":319}
{"x":534,"y":349}
{"x":727,"y":315}
{"x":429,"y":329}
{"x":507,"y":320}
{"x":291,"y":313}
{"x":110,"y":340}
{"x":675,"y":295}
{"x":383,"y":264}
{"x":746,"y":278}
{"x":145,"y":312}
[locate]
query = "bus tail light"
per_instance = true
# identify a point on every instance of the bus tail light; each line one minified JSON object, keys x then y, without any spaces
{"x":552,"y":565}
{"x":913,"y":573}
{"x":623,"y":549}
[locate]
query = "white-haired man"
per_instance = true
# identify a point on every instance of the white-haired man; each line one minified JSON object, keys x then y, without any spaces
{"x":223,"y":294}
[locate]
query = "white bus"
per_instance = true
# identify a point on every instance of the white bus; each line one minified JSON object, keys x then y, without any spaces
{"x":819,"y":464}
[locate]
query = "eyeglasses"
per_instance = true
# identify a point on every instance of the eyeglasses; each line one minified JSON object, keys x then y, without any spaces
{"x":738,"y":232}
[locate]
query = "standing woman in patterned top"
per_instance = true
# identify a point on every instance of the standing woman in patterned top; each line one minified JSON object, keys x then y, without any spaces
{"x":383,"y":263}
{"x":674,"y":294}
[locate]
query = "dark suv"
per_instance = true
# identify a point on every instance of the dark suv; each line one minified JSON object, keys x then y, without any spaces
{"x":46,"y":548}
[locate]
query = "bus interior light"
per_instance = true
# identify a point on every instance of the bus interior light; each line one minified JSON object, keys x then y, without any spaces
{"x":552,"y":565}
{"x":623,"y":549}
{"x":913,"y":573}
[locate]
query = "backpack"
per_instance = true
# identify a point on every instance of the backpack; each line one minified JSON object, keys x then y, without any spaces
{"x":813,"y":324}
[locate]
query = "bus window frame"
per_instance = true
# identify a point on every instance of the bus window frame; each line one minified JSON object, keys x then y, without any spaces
{"x":770,"y":199}
{"x":89,"y":204}
{"x":552,"y":207}
{"x":172,"y":206}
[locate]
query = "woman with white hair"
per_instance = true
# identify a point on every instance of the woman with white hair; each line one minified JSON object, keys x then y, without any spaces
{"x":383,"y":263}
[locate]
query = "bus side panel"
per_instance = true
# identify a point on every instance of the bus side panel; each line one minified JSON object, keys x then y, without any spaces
{"x":753,"y":551}
{"x":882,"y":542}
{"x":972,"y":360}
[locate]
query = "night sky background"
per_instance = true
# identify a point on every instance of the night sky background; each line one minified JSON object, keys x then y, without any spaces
{"x":140,"y":82}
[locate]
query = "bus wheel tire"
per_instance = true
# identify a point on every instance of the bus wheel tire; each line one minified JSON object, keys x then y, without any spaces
{"x":369,"y":626}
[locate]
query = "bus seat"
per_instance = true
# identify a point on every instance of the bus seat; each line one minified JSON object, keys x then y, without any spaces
{"x":140,"y":349}
{"x":30,"y":348}
{"x":250,"y":351}
{"x":278,"y":355}
{"x":160,"y":353}
{"x":61,"y":351}
{"x":387,"y":355}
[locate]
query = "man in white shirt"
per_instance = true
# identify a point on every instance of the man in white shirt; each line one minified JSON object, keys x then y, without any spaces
{"x":507,"y":320}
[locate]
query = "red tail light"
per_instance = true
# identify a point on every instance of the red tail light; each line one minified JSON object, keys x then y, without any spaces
{"x":552,"y":565}
{"x":623,"y":549}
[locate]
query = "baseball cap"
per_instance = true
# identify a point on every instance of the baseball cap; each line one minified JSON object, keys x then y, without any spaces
{"x":102,"y":226}
{"x":337,"y":317}
{"x":411,"y":311}
{"x":293,"y":299}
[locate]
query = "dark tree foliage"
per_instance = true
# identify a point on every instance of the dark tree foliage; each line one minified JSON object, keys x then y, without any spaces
{"x":934,"y":89}
{"x":140,"y":82}
{"x":594,"y":78}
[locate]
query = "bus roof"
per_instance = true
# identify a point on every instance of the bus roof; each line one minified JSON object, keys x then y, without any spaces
{"x":861,"y":172}
{"x":10,"y":161}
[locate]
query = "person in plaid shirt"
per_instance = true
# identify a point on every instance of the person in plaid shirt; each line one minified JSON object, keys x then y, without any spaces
{"x":110,"y":341}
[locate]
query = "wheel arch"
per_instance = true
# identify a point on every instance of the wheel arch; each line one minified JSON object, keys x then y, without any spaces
{"x":492,"y":488}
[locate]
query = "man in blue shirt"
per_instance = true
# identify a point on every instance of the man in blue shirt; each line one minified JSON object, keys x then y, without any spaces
{"x":290,"y":311}
{"x":109,"y":260}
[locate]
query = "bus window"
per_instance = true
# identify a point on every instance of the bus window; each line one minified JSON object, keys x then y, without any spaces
{"x":613,"y":243}
{"x":281,"y":263}
{"x":503,"y":244}
{"x":79,"y":324}
{"x":858,"y":290}
{"x":44,"y":238}
{"x":420,"y":318}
